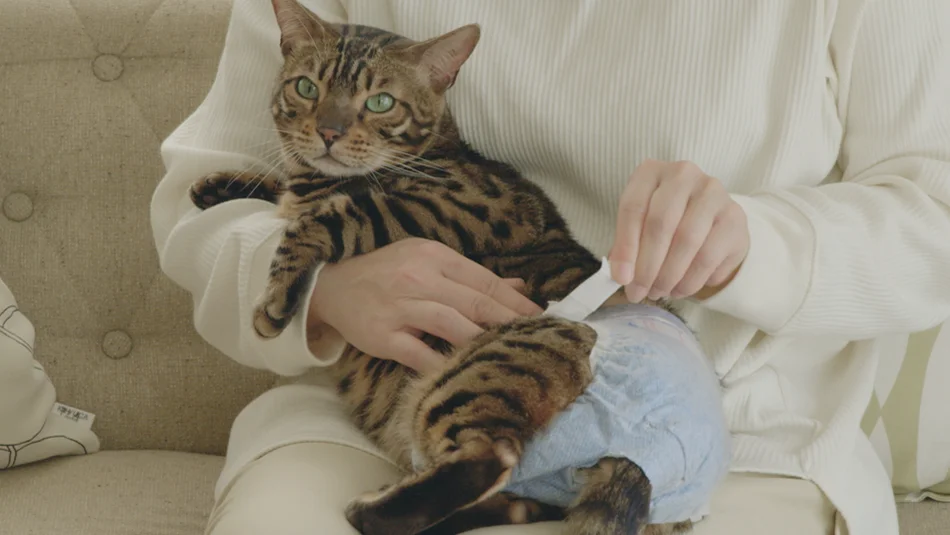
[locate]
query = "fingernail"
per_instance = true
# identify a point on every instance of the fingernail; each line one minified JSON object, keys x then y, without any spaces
{"x":623,"y":272}
{"x":656,"y":294}
{"x":637,"y":294}
{"x":676,"y":295}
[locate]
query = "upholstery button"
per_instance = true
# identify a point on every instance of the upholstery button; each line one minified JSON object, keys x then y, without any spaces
{"x":107,"y":67}
{"x":116,"y":344}
{"x":17,"y":206}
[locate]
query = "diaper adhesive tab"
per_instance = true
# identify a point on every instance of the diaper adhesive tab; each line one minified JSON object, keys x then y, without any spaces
{"x":587,"y":297}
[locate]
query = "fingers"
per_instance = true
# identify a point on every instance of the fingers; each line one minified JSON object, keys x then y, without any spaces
{"x":451,"y":316}
{"x":517,"y":284}
{"x":710,"y":257}
{"x":408,"y":350}
{"x":725,"y":271}
{"x":441,"y":320}
{"x":634,"y":203}
{"x":472,"y":304}
{"x":678,"y":231}
{"x":483,"y":281}
{"x":693,"y":230}
{"x":663,"y":218}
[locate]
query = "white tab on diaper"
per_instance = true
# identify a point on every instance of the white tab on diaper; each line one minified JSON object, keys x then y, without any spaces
{"x":587,"y":297}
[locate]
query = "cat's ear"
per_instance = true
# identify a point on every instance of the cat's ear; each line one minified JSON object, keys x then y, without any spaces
{"x":299,"y":26}
{"x":440,"y":58}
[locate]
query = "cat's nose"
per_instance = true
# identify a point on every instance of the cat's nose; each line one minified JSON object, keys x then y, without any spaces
{"x":329,"y":135}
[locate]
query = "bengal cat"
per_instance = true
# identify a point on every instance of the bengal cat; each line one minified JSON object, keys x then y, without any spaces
{"x":371,"y":155}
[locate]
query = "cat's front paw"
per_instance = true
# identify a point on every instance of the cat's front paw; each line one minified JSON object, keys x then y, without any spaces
{"x":216,"y":188}
{"x":270,"y":319}
{"x":213,"y":189}
{"x":277,"y":306}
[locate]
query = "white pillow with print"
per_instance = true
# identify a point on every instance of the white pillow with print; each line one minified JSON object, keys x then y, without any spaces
{"x":33,"y":426}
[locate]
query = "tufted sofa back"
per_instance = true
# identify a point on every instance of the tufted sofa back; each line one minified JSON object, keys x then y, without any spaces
{"x":87,"y":92}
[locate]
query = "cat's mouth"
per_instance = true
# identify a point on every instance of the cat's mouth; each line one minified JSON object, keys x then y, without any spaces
{"x":329,"y":158}
{"x":326,"y":163}
{"x":330,"y":165}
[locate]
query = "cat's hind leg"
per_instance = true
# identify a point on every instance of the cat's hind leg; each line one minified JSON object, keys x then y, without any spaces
{"x":668,"y":529}
{"x":499,"y":510}
{"x":474,"y":473}
{"x":470,"y":422}
{"x":615,"y":500}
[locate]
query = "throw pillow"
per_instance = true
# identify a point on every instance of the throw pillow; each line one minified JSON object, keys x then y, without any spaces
{"x":33,"y":426}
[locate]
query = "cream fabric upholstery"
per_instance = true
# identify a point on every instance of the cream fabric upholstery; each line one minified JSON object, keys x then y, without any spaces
{"x":88,"y":89}
{"x":87,"y":96}
{"x":110,"y":493}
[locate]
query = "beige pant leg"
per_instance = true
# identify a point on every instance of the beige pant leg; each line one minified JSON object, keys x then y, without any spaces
{"x":299,"y":489}
{"x":303,"y":488}
{"x":746,"y":504}
{"x":759,"y":504}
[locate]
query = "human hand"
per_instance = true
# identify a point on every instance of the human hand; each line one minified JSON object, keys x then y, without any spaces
{"x":381,"y":302}
{"x":679,"y":233}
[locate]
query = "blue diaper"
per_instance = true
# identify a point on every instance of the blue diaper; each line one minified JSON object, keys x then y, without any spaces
{"x":655,"y":400}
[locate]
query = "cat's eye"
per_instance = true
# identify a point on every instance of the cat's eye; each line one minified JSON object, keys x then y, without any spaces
{"x":380,"y":103}
{"x":306,"y":88}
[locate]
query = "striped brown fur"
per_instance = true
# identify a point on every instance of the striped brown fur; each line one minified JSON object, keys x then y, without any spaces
{"x":401,"y":174}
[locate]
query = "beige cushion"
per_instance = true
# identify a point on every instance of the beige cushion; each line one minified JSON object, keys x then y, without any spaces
{"x":110,"y":493}
{"x":907,"y":417}
{"x":926,"y":518}
{"x":89,"y":90}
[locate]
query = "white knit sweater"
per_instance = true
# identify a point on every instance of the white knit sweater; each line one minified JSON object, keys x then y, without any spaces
{"x":828,"y":120}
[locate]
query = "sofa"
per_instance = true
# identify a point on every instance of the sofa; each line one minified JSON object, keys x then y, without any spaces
{"x":88,"y":89}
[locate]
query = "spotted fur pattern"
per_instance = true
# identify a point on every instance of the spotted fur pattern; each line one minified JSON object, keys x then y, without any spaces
{"x":355,"y":180}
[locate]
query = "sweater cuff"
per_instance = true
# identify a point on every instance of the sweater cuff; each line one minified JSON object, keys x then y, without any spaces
{"x":294,"y":351}
{"x":323,"y":341}
{"x":774,"y":279}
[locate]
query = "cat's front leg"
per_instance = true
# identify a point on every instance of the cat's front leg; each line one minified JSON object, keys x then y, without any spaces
{"x":329,"y":232}
{"x":216,"y":188}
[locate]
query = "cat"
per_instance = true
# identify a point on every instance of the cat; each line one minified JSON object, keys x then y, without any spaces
{"x":372,"y":155}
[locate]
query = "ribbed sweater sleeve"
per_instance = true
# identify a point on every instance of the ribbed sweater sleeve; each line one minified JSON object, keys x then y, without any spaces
{"x":869,"y":255}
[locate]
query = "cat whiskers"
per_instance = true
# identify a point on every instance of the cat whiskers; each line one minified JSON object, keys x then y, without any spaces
{"x":401,"y":169}
{"x":375,"y":178}
{"x":415,"y":158}
{"x":390,"y":162}
{"x":271,"y":161}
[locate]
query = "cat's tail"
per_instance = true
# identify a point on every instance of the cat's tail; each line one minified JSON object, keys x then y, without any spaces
{"x":615,"y":500}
